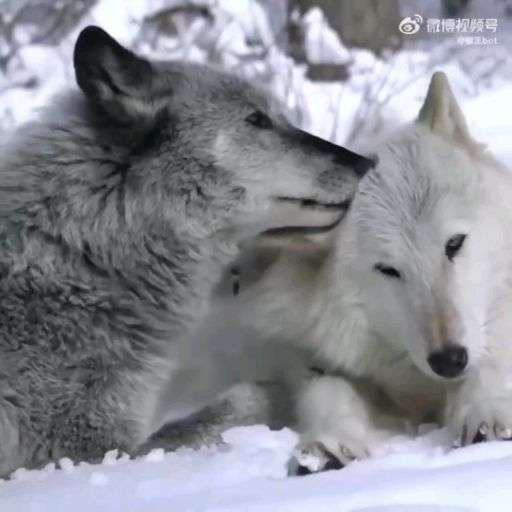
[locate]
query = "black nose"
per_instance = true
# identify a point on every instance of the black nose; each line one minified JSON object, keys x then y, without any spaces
{"x":449,"y":362}
{"x":359,"y":163}
{"x":342,"y":156}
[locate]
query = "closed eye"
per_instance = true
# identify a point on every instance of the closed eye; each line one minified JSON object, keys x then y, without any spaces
{"x":454,"y":245}
{"x":259,"y":120}
{"x":387,"y":270}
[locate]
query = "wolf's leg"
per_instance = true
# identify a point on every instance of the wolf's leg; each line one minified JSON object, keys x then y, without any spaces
{"x":106,"y":415}
{"x":480,"y":407}
{"x":75,"y":415}
{"x":244,"y":404}
{"x":339,"y":422}
{"x":88,"y":432}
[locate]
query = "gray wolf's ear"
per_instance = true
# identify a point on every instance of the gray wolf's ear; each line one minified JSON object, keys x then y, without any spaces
{"x":442,"y":115}
{"x":111,"y":76}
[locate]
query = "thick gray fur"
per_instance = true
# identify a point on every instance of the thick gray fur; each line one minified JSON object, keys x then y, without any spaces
{"x":119,"y":208}
{"x":246,"y":403}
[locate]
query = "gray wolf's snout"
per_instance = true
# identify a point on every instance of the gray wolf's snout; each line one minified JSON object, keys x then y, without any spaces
{"x":360,"y":164}
{"x":449,"y":362}
{"x":341,"y":156}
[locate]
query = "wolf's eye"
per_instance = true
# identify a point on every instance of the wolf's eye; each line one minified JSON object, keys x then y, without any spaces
{"x":259,"y":119}
{"x":387,"y":270}
{"x":454,"y":245}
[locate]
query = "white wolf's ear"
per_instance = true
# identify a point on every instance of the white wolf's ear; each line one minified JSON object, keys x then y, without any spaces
{"x":111,"y":76}
{"x":442,"y":115}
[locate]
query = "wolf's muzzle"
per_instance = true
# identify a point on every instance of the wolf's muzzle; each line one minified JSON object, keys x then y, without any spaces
{"x":449,"y":362}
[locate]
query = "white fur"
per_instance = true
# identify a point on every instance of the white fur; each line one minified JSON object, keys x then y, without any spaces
{"x":432,"y":181}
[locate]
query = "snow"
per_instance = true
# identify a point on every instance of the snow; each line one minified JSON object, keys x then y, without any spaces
{"x":381,"y":92}
{"x":249,"y":473}
{"x":493,"y":129}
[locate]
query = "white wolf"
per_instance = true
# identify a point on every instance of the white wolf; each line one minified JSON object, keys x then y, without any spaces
{"x":407,"y":307}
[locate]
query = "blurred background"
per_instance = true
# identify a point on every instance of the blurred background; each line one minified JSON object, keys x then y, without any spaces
{"x":349,"y":71}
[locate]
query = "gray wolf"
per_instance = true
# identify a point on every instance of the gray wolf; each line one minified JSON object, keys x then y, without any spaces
{"x":119,"y":208}
{"x":405,"y":309}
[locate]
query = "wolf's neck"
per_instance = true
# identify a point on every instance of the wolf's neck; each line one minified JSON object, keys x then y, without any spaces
{"x":75,"y":177}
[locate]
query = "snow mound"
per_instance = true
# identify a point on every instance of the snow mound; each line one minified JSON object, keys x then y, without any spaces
{"x":249,"y":473}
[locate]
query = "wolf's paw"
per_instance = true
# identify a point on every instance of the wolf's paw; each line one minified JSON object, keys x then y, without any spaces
{"x":326,"y":453}
{"x":486,"y":419}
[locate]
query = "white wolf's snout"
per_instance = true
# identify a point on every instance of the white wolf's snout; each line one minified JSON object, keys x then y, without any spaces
{"x":447,"y":356}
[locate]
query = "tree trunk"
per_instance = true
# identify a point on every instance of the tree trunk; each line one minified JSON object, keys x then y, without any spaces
{"x":371,"y":24}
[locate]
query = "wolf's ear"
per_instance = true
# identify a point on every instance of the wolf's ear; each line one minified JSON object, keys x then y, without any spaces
{"x":442,"y":115}
{"x":111,"y":76}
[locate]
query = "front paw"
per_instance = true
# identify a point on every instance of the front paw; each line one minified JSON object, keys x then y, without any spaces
{"x":326,"y":452}
{"x":482,"y":418}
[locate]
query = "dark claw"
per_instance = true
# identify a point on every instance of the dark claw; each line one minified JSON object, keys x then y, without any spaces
{"x":302,"y":471}
{"x":296,"y":469}
{"x":332,"y":463}
{"x":479,"y":438}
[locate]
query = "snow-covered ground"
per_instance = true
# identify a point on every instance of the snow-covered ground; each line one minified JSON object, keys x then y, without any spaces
{"x":248,"y":474}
